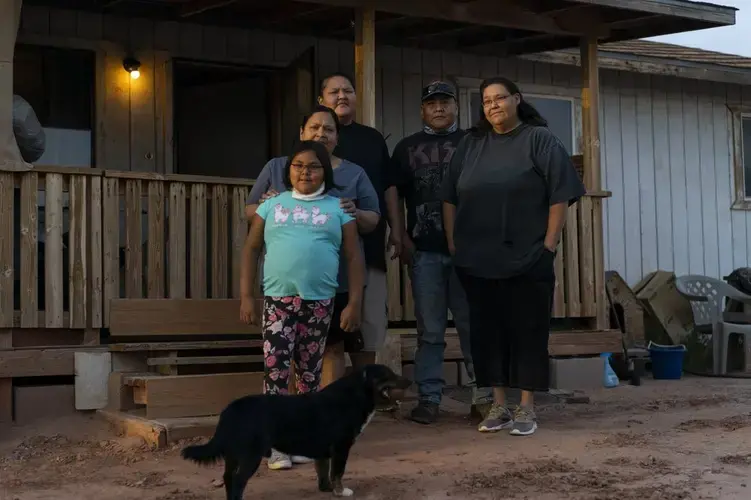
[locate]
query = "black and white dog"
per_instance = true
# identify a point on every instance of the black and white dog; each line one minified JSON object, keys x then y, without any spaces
{"x":322,"y":426}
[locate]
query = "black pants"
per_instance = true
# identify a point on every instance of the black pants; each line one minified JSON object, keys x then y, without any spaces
{"x":510,"y":325}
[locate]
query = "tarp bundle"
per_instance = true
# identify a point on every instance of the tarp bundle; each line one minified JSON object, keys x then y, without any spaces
{"x":29,"y":133}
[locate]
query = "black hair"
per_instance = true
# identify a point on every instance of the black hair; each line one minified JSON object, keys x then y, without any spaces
{"x":323,"y":157}
{"x":320,"y":108}
{"x":526,"y":112}
{"x":325,"y":81}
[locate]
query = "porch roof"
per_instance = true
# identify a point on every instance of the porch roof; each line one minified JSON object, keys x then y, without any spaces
{"x":490,"y":27}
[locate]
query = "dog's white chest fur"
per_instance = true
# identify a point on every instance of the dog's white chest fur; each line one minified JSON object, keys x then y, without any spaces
{"x":367,"y":421}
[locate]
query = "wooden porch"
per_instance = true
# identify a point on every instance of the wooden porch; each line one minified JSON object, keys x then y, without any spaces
{"x":143,"y":266}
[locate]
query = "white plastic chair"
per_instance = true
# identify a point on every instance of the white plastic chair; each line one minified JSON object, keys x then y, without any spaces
{"x":707,"y":298}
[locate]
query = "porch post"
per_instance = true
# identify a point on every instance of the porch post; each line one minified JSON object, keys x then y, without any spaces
{"x":365,"y":78}
{"x":592,"y":170}
{"x":10,"y":16}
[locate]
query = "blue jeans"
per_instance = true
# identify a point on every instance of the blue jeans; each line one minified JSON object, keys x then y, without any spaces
{"x":436,"y":289}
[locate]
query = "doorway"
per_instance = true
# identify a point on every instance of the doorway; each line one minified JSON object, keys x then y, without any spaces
{"x":221,"y":119}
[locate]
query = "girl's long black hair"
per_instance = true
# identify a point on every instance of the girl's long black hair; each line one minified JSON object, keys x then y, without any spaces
{"x":323,"y":157}
{"x":526,"y":112}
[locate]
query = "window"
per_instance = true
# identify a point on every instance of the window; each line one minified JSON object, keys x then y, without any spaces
{"x":59,"y":86}
{"x":741,"y":140}
{"x":559,"y":106}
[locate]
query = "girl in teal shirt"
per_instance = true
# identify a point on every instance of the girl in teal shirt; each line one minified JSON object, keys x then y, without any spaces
{"x":305,"y":231}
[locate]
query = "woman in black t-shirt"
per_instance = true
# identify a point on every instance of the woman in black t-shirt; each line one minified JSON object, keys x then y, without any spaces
{"x":506,"y":195}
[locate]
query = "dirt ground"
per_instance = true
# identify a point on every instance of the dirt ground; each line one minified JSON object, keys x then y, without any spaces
{"x":689,"y":439}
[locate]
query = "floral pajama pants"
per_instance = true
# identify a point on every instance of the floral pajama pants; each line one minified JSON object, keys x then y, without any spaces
{"x":294,"y":329}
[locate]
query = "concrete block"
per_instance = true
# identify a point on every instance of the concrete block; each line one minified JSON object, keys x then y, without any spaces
{"x":577,"y":373}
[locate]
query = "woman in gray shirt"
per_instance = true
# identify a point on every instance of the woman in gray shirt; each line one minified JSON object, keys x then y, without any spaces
{"x":506,"y":194}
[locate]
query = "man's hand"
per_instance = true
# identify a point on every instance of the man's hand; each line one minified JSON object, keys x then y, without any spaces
{"x":268,"y":195}
{"x":394,"y":245}
{"x":408,"y":250}
{"x":350,"y":318}
{"x":348,"y":206}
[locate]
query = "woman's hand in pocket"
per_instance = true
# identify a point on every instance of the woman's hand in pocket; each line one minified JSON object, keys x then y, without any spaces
{"x":350,"y":318}
{"x":249,"y":312}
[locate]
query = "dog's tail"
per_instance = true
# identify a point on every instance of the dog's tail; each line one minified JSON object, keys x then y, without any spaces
{"x":208,"y":453}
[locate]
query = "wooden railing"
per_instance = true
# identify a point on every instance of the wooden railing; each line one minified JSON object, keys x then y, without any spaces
{"x":72,"y":239}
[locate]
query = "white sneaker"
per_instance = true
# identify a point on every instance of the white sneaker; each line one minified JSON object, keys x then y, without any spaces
{"x":279,"y":461}
{"x":298,"y":460}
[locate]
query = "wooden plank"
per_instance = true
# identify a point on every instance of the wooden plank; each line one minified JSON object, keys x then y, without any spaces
{"x":185,"y":346}
{"x":155,"y":256}
{"x":133,"y":240}
{"x":6,"y":383}
{"x":177,"y":317}
{"x":96,"y":254}
{"x":53,"y":251}
{"x":142,"y":119}
{"x":579,"y":343}
{"x":588,"y":52}
{"x":198,"y":395}
{"x":110,"y":244}
{"x":559,"y":294}
{"x":239,"y":228}
{"x":29,"y":276}
{"x":219,"y":242}
{"x":177,"y":241}
{"x":586,"y":258}
{"x":394,"y":293}
{"x":92,"y":370}
{"x":365,"y":65}
{"x":204,"y":360}
{"x":408,"y":307}
{"x":77,"y":249}
{"x":198,"y":260}
{"x":561,"y":343}
{"x":38,"y":362}
{"x":571,"y":242}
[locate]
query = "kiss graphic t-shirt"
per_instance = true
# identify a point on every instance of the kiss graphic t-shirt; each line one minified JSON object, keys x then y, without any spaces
{"x":303,"y":245}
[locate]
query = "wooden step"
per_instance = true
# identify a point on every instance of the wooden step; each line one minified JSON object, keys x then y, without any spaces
{"x":184,"y":346}
{"x":203,"y":360}
{"x":172,"y":396}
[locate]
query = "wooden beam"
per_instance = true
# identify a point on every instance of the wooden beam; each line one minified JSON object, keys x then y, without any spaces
{"x":501,"y":13}
{"x":199,"y":6}
{"x":365,"y":64}
{"x":710,"y":13}
{"x":649,"y":65}
{"x":10,"y":16}
{"x":40,"y":362}
{"x":592,"y":167}
{"x":153,"y":317}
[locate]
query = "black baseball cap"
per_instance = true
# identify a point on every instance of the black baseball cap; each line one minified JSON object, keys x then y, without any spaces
{"x":438,"y":88}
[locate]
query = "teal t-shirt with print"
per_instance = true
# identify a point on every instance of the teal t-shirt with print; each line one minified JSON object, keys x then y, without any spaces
{"x":303,"y":245}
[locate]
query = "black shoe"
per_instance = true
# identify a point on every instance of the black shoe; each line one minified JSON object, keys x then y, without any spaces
{"x":424,"y":413}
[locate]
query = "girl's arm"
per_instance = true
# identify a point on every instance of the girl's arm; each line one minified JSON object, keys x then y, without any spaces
{"x":556,"y":221}
{"x":250,"y":255}
{"x":355,"y":265}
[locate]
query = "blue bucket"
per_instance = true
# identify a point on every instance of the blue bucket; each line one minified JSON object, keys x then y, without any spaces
{"x":667,"y":361}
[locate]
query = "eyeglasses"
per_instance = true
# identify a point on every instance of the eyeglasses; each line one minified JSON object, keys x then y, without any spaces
{"x":299,"y":167}
{"x":487,"y":103}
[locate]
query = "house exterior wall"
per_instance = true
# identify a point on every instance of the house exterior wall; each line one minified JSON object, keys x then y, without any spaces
{"x":666,"y":142}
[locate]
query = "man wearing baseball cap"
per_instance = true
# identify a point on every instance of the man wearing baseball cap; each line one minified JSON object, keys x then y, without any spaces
{"x":419,"y":161}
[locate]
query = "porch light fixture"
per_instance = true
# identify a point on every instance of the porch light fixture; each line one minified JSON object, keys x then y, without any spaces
{"x":131,"y":65}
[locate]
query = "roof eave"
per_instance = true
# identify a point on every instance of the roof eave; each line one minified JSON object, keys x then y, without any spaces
{"x":650,"y":65}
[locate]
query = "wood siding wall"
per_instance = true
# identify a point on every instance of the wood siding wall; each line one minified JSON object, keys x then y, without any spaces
{"x":665,"y":141}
